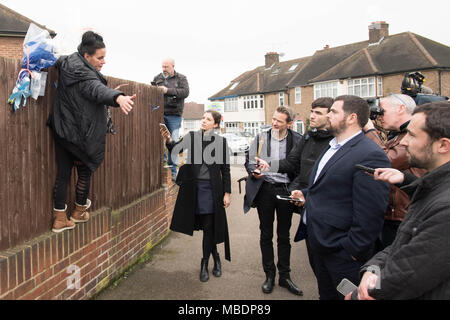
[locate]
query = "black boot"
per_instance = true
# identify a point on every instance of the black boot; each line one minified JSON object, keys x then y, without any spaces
{"x":268,"y":285}
{"x":217,"y":270}
{"x":288,"y":284}
{"x":204,"y":275}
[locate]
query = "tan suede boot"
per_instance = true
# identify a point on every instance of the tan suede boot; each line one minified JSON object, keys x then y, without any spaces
{"x":80,"y":214}
{"x":61,"y":222}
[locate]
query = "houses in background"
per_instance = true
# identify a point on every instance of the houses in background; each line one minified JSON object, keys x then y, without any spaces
{"x":13,"y":29}
{"x":371,"y":68}
{"x":192,"y":115}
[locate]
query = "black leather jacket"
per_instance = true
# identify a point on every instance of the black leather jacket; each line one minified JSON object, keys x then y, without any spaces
{"x":178,"y":90}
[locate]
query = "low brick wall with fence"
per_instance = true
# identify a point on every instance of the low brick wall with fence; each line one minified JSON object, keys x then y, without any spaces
{"x":132,"y":197}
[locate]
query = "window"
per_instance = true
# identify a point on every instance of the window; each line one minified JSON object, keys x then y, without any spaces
{"x":365,"y":87}
{"x":253,"y":127}
{"x":231,"y":105}
{"x":328,"y":89}
{"x":253,"y":102}
{"x":232,"y":127}
{"x":293,"y":67}
{"x":298,"y":95}
{"x":281,"y":99}
{"x":380,"y":86}
{"x":234,"y":85}
{"x":191,"y":125}
{"x":299,"y":126}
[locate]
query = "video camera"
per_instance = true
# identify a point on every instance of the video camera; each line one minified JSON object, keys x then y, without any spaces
{"x":375,"y":108}
{"x":412,"y":85}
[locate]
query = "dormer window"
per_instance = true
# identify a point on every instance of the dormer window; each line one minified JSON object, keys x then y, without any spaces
{"x":234,"y":85}
{"x":293,"y":67}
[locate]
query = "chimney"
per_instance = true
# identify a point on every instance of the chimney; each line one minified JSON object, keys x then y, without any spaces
{"x":378,"y":30}
{"x":271,"y":58}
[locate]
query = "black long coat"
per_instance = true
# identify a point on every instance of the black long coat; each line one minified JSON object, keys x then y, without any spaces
{"x":78,"y":119}
{"x":198,"y":148}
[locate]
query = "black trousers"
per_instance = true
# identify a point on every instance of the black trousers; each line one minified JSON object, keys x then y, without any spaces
{"x":388,"y":235}
{"x":65,"y":162}
{"x":330,"y":269}
{"x":267,"y":204}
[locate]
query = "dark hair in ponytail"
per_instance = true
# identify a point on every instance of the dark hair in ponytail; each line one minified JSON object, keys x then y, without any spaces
{"x":216,"y":116}
{"x":90,"y":42}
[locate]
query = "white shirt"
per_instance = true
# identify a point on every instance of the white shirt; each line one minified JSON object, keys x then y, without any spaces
{"x":334,"y":147}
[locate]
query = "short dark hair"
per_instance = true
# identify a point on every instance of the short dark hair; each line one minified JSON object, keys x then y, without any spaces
{"x":216,"y":116}
{"x":90,"y":42}
{"x":287,"y":111}
{"x":437,"y":123}
{"x":326,"y":102}
{"x":357,"y":105}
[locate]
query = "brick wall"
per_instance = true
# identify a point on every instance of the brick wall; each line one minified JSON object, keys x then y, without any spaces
{"x":11,"y":47}
{"x":304,"y":108}
{"x":271,"y":103}
{"x":97,"y":251}
{"x":445,"y":83}
{"x":393,"y":83}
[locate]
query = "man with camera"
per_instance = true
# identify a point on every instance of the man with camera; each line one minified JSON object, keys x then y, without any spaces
{"x":416,"y":265}
{"x":394,"y":113}
{"x":175,"y":88}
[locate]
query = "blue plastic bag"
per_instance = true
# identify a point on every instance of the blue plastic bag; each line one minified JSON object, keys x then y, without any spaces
{"x":38,"y":53}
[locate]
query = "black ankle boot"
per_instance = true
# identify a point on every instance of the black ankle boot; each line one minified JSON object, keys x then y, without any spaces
{"x":268,"y":285}
{"x":217,"y":270}
{"x":204,"y":275}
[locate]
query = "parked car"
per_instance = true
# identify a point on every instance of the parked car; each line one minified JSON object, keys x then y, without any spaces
{"x":246,"y":135}
{"x":236,"y":143}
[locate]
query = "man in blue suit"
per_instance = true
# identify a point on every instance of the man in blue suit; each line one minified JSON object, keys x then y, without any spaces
{"x":344,"y":206}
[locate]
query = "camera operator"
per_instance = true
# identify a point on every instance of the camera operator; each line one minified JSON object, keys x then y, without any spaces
{"x":416,"y":265}
{"x":394,"y":113}
{"x":176,"y":88}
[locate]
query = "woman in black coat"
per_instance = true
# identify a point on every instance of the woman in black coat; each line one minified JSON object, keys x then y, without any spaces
{"x":79,"y":124}
{"x":205,"y":189}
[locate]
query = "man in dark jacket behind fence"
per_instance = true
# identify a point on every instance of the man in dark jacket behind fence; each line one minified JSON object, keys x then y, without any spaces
{"x":175,"y":88}
{"x":417,"y":264}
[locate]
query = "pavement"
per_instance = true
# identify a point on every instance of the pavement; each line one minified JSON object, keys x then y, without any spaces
{"x":172,"y":273}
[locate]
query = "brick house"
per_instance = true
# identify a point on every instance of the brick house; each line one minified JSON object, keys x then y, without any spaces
{"x":13,"y":29}
{"x":192,"y":115}
{"x":370,"y":68}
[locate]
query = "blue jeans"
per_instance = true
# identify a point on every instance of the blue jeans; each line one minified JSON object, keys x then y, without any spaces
{"x":173,"y":123}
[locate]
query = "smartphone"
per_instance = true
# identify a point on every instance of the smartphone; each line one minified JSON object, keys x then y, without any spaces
{"x":364,"y":168}
{"x":163,"y":126}
{"x":256,"y":171}
{"x":346,"y":287}
{"x":288,"y":198}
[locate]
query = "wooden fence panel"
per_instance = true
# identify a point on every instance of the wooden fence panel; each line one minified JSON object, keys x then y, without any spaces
{"x":132,"y":166}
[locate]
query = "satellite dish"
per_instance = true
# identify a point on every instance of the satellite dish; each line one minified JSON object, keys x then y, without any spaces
{"x":282,"y":54}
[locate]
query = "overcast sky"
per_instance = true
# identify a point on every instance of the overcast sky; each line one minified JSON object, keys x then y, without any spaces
{"x":213,"y":42}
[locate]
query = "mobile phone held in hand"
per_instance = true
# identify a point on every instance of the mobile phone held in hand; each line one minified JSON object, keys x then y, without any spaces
{"x":364,"y":168}
{"x":288,"y":199}
{"x":346,"y":287}
{"x":163,"y":126}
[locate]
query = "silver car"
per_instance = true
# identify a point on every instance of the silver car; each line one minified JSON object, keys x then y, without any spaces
{"x":236,"y":143}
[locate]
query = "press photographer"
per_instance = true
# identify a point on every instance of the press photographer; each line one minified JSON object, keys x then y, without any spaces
{"x":393,"y":113}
